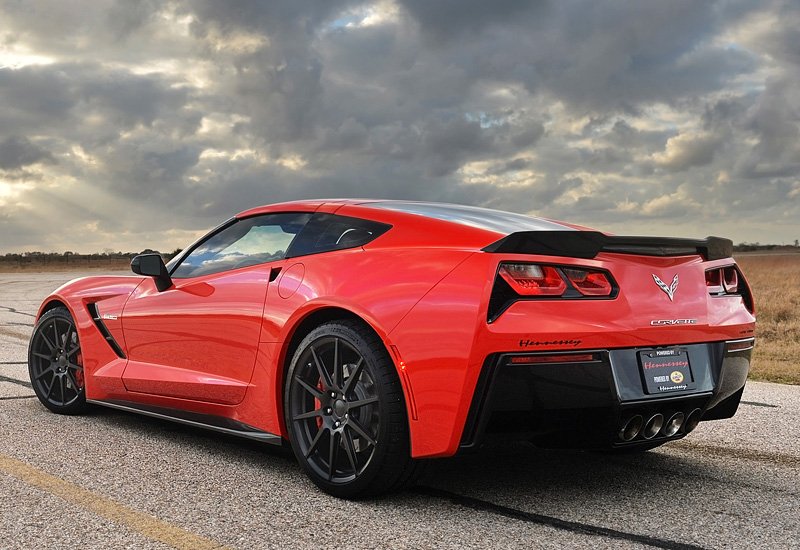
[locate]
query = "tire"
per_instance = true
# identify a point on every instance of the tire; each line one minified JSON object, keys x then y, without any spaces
{"x":345,"y":413}
{"x":55,"y":363}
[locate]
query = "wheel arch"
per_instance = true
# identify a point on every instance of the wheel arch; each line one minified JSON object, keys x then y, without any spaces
{"x":304,"y":325}
{"x":51,"y":304}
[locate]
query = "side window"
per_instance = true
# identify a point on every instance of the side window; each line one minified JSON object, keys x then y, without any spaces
{"x":328,"y":232}
{"x":246,"y":242}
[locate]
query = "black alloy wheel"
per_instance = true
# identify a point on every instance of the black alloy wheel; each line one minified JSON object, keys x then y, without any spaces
{"x":55,"y":363}
{"x":345,"y":412}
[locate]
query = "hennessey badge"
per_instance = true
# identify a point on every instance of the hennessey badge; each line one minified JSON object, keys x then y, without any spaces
{"x":670,"y":290}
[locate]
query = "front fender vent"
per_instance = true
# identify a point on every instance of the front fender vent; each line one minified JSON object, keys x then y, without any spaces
{"x":98,"y":321}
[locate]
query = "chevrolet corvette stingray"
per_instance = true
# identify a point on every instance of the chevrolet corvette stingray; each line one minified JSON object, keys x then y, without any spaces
{"x":371,"y":335}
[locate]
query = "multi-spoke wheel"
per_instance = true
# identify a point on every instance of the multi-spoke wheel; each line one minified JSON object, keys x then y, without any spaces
{"x":346,"y":414}
{"x":55,"y":363}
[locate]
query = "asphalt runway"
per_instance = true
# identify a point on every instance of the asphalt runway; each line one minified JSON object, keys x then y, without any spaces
{"x":115,"y":480}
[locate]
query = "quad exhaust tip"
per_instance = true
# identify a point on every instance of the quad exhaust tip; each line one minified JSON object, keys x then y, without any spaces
{"x":692,"y":421}
{"x":674,"y":424}
{"x":631,"y":427}
{"x":653,"y":426}
{"x":667,"y":425}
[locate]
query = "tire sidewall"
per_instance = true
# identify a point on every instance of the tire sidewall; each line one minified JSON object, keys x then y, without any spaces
{"x":372,"y":363}
{"x":79,"y":405}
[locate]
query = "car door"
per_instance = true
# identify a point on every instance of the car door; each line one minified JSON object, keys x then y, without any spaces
{"x":198,"y":339}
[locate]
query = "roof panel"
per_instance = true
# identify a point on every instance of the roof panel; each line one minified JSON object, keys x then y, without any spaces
{"x":473,"y":216}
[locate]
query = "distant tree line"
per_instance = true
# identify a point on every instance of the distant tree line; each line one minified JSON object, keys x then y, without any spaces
{"x":71,"y":259}
{"x":752,"y":247}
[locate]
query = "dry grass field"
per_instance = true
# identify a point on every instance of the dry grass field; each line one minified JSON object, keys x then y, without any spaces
{"x":775,"y":280}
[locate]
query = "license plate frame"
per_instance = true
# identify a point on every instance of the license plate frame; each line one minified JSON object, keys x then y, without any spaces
{"x":666,"y":370}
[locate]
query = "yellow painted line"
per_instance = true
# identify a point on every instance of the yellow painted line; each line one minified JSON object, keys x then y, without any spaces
{"x":110,"y":509}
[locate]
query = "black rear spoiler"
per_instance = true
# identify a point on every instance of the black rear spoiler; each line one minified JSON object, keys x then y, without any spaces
{"x":588,"y":244}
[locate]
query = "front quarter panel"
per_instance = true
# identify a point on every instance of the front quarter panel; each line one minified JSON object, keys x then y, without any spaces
{"x":102,"y":365}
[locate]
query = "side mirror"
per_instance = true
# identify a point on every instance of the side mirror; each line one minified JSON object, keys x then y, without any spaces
{"x":152,"y":265}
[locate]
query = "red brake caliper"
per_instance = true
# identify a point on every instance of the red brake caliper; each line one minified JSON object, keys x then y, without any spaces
{"x":318,"y":403}
{"x":79,"y":373}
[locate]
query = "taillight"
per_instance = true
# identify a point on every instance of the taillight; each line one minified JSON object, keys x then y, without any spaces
{"x":552,"y":280}
{"x":714,"y":281}
{"x":728,"y":281}
{"x":533,"y":279}
{"x":588,"y":282}
{"x":516,"y":281}
{"x":722,"y":280}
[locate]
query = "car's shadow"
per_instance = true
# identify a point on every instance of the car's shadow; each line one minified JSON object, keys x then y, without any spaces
{"x":504,"y":471}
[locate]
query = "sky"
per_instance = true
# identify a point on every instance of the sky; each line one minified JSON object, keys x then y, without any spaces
{"x":127,"y":125}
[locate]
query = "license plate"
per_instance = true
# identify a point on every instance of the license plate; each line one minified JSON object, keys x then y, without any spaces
{"x":666,"y":370}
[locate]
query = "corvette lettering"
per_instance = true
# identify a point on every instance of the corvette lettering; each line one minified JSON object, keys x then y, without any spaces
{"x":667,"y":322}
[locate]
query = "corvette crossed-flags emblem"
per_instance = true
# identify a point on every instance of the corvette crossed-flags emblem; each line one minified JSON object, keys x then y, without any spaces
{"x":669,"y":290}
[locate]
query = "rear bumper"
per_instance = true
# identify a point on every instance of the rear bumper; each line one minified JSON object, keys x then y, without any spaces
{"x":586,"y":399}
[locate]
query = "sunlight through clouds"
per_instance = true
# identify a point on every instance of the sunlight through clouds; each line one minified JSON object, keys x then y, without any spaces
{"x":155,"y":120}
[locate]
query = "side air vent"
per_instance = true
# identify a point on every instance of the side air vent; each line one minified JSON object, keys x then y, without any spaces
{"x":98,"y":321}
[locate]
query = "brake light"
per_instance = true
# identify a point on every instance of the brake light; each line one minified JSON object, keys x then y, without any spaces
{"x":714,"y":281}
{"x":730,"y":280}
{"x":722,"y":280}
{"x":533,"y":279}
{"x":536,"y":359}
{"x":520,"y":281}
{"x":588,"y":282}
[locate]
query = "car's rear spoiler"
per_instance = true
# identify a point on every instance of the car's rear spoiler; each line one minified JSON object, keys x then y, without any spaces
{"x":587,"y":244}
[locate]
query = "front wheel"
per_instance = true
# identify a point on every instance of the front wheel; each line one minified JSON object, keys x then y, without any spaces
{"x":55,"y":363}
{"x":345,"y":412}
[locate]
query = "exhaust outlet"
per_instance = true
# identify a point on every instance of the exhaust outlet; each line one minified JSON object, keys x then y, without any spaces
{"x":674,"y":424}
{"x":653,"y":426}
{"x":692,"y":421}
{"x":630,"y":428}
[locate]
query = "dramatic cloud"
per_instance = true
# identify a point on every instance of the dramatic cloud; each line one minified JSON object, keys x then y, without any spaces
{"x":138,"y":124}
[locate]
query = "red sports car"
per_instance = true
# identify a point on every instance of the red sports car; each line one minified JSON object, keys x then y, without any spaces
{"x":374,"y":334}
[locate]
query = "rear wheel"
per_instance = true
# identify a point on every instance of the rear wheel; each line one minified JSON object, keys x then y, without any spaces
{"x":345,"y":412}
{"x":55,"y":363}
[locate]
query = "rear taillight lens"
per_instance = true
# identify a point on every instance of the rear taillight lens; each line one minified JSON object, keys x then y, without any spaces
{"x":533,"y":279}
{"x":728,"y":281}
{"x":714,"y":281}
{"x":516,"y":281}
{"x":588,"y":282}
{"x":552,"y":280}
{"x":722,"y":280}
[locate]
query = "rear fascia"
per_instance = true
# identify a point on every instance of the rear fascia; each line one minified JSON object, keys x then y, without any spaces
{"x":450,"y":365}
{"x":579,"y":403}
